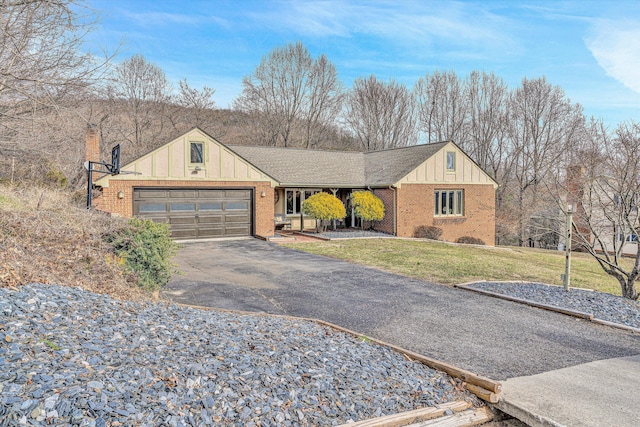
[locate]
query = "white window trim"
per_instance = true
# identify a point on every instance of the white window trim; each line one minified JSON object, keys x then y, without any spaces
{"x":458,"y":203}
{"x":302,"y":198}
{"x":446,"y":161}
{"x":204,"y":147}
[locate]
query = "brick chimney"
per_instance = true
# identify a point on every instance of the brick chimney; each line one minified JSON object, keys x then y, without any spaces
{"x":92,"y":143}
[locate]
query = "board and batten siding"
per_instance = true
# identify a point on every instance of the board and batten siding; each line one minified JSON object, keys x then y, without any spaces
{"x":171,"y":162}
{"x":434,"y":171}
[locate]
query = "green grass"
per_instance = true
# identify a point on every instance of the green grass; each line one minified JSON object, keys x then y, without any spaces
{"x":451,"y":264}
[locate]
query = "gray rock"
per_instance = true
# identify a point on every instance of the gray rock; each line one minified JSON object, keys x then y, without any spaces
{"x":156,"y":364}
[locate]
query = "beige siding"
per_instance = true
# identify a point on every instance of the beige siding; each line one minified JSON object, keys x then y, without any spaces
{"x":433,"y":170}
{"x":162,"y":162}
{"x":176,"y":159}
{"x":172,"y":162}
{"x":228,"y":164}
{"x":213,"y":168}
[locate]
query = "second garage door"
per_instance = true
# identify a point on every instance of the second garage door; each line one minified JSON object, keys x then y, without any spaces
{"x":197,"y":213}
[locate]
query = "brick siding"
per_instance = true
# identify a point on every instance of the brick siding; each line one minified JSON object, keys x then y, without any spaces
{"x":415,"y":207}
{"x":262,"y":209}
{"x":386,"y":224}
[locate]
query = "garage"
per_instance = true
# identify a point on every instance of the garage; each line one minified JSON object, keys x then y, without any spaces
{"x":197,"y":213}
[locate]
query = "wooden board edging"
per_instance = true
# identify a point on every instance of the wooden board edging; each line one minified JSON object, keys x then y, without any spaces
{"x":574,"y":313}
{"x":616,"y":325}
{"x":467,"y":376}
{"x":410,"y":417}
{"x":568,"y":312}
{"x":485,"y":395}
{"x":467,"y":418}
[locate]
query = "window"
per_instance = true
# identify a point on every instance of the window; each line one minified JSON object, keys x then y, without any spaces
{"x":294,"y":199}
{"x":213,"y":206}
{"x":449,"y":203}
{"x":153,"y":207}
{"x":197,"y":149}
{"x":236,"y":206}
{"x":451,"y":161}
{"x":182,"y":207}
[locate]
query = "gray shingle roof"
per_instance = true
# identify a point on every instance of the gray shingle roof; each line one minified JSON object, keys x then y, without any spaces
{"x":387,"y":167}
{"x":299,"y":167}
{"x":311,"y":168}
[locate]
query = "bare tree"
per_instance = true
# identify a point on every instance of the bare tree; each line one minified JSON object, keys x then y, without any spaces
{"x":487,"y":141}
{"x":442,"y":107}
{"x":323,"y":102}
{"x":198,"y":102}
{"x":41,"y":65}
{"x":543,"y":125}
{"x":139,"y":95}
{"x":604,"y":189}
{"x":381,"y":115}
{"x":288,"y":88}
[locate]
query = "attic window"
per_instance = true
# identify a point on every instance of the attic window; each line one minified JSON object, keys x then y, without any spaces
{"x":196,"y":152}
{"x":451,"y":161}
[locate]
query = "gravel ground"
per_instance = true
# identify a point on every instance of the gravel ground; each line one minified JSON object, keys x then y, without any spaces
{"x":71,"y":357}
{"x":353,"y":234}
{"x":603,"y":306}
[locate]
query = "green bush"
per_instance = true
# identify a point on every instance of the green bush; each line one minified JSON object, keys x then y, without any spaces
{"x":367,"y":206}
{"x":470,"y":240}
{"x":146,"y":248}
{"x":324,"y":206}
{"x":427,"y":232}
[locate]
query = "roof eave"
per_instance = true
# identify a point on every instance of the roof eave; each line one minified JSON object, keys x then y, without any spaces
{"x":320,"y":185}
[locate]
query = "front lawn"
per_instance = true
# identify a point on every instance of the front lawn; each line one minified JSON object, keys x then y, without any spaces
{"x":450,"y":264}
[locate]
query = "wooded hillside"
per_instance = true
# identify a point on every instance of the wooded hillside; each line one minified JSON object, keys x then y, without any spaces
{"x":525,"y":137}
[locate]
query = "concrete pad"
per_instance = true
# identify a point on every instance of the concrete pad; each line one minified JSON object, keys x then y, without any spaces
{"x":595,"y":394}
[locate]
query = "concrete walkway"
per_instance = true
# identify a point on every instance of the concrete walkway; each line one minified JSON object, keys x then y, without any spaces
{"x":498,"y":339}
{"x":596,"y":394}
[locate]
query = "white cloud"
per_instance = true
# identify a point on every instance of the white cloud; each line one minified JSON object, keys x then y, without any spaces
{"x":459,"y":24}
{"x":616,"y":47}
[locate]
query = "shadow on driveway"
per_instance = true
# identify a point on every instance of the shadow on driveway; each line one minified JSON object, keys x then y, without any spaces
{"x":492,"y":337}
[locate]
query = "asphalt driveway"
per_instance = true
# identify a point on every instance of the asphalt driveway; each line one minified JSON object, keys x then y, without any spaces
{"x":492,"y":337}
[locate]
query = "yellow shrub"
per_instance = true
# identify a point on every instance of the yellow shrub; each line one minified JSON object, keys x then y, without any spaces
{"x":367,"y":206}
{"x":324,"y":206}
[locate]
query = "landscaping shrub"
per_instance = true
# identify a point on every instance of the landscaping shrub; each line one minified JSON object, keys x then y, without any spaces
{"x":367,"y":206}
{"x":427,"y":232}
{"x":324,"y":206}
{"x":470,"y":240}
{"x":146,"y":248}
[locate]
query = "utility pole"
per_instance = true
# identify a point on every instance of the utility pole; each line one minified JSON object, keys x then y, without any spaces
{"x":566,"y":277}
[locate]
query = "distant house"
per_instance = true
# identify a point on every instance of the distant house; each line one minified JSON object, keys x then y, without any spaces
{"x":605,"y":212}
{"x":204,"y":188}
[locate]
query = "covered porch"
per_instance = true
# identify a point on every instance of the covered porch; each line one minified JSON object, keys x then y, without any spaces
{"x":288,"y":215}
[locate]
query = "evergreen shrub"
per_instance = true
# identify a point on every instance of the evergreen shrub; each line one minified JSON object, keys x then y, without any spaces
{"x":146,"y":248}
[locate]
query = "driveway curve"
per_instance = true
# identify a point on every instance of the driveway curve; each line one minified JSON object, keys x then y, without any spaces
{"x":492,"y":337}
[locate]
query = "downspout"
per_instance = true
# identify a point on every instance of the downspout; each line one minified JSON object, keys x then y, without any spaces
{"x":395,"y":211}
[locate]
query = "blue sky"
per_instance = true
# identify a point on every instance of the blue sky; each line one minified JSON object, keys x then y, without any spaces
{"x":589,"y":48}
